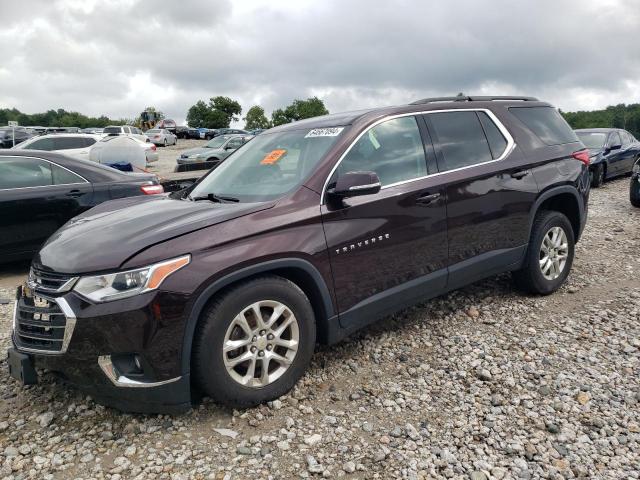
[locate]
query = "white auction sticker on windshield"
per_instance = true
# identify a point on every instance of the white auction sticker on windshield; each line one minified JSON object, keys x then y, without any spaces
{"x":324,"y":132}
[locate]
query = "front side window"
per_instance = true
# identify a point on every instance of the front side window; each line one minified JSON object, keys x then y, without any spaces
{"x":217,"y":142}
{"x":21,"y":172}
{"x":234,"y":143}
{"x":460,"y":138}
{"x":270,"y":165}
{"x":45,"y":144}
{"x":392,"y":149}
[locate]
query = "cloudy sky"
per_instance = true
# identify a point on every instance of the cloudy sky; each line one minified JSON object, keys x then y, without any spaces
{"x":116,"y":57}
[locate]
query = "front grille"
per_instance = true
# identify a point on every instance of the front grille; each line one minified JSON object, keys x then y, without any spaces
{"x":49,"y":281}
{"x":41,"y":325}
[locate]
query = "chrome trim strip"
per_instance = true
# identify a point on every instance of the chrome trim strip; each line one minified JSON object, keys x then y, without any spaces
{"x":109,"y":369}
{"x":68,"y":331}
{"x":507,"y":151}
{"x":365,"y":187}
{"x":65,"y":287}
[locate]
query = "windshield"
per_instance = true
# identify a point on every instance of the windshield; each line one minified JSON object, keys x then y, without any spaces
{"x":592,"y":139}
{"x":217,"y":142}
{"x":269,"y":166}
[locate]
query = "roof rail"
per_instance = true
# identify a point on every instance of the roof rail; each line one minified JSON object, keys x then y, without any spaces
{"x":464,"y":98}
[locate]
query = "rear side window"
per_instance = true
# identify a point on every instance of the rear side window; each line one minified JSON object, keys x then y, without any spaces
{"x":68,"y":143}
{"x":497,"y":142}
{"x":461,"y":139}
{"x":614,"y":139}
{"x":88,"y":141}
{"x":21,"y":172}
{"x":62,"y":176}
{"x":392,"y":149}
{"x":546,"y":123}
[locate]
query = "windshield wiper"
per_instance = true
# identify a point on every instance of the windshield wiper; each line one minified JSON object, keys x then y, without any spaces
{"x":212,"y":197}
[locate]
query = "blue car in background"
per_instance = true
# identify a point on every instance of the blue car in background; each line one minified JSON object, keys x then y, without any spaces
{"x":612,"y":152}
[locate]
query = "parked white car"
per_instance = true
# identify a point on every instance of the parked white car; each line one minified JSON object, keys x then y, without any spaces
{"x":75,"y":145}
{"x":122,"y":150}
{"x":160,"y":136}
{"x":125,"y":130}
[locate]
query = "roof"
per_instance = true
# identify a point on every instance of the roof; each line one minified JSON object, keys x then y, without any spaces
{"x":348,"y":118}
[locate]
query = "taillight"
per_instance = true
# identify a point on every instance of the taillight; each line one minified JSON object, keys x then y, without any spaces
{"x":153,"y":147}
{"x":156,"y":136}
{"x":582,"y":155}
{"x":152,"y":189}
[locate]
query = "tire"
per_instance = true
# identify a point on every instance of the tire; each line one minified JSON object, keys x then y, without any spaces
{"x":213,"y":372}
{"x":530,"y":277}
{"x":164,"y":143}
{"x":634,"y":191}
{"x":597,"y":176}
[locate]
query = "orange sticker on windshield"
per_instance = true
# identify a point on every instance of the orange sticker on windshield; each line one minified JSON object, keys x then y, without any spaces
{"x":272,"y":157}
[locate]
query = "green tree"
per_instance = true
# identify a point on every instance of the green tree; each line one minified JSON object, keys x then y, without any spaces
{"x":218,"y":113}
{"x":299,"y":110}
{"x":55,"y":118}
{"x":256,"y":118}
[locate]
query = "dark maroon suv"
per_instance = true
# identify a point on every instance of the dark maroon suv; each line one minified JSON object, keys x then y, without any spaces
{"x":309,"y":232}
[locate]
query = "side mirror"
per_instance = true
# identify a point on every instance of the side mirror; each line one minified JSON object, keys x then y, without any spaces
{"x":354,"y":184}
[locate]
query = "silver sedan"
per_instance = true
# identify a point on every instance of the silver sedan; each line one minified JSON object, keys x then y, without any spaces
{"x":160,"y":136}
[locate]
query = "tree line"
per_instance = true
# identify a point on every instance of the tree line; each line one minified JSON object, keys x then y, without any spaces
{"x":56,"y":118}
{"x":220,"y":111}
{"x":614,"y":116}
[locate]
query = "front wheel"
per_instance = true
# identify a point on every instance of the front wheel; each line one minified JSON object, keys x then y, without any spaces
{"x":597,"y":176}
{"x":254,"y":342}
{"x":549,"y":255}
{"x":634,"y":191}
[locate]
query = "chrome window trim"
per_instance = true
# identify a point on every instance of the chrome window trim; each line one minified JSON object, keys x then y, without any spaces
{"x":503,"y":130}
{"x":119,"y":380}
{"x":33,"y":283}
{"x":68,"y":330}
{"x":42,"y":186}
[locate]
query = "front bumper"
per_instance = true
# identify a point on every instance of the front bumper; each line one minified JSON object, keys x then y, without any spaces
{"x":90,"y":346}
{"x":186,"y":161}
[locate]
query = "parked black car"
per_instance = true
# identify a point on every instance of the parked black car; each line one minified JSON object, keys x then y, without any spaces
{"x":182,"y":131}
{"x":224,"y":131}
{"x":634,"y":186}
{"x":7,"y":136}
{"x":40,"y":191}
{"x":314,"y":230}
{"x":612,"y":152}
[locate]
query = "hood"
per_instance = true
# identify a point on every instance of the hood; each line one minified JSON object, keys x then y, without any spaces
{"x":197,"y":151}
{"x":104,"y":237}
{"x":595,"y":151}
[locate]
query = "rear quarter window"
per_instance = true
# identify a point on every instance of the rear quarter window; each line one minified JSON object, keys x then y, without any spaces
{"x":546,"y":123}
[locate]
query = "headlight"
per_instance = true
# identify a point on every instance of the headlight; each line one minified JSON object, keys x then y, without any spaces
{"x":113,"y":286}
{"x":193,"y":156}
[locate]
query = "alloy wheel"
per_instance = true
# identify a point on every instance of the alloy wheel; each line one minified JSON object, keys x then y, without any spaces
{"x":554,"y":252}
{"x":261,"y":343}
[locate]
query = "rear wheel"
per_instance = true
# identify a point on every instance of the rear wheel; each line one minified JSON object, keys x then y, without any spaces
{"x":254,"y":342}
{"x":634,"y":190}
{"x":549,"y":255}
{"x":165,"y":142}
{"x":597,"y":175}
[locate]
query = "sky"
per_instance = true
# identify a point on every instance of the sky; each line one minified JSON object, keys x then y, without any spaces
{"x":116,"y":57}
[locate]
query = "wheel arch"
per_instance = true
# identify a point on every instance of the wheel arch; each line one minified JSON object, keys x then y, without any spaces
{"x":299,"y":271}
{"x":563,"y":199}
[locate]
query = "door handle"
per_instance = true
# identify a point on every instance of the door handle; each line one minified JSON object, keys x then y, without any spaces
{"x":74,"y":193}
{"x":427,"y":199}
{"x":520,"y":174}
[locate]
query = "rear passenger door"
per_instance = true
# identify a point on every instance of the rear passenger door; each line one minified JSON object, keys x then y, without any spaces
{"x":390,"y":248}
{"x":489,"y":193}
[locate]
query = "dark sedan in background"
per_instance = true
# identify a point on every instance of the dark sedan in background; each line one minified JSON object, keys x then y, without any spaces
{"x":612,"y":152}
{"x":40,"y":191}
{"x":10,"y":136}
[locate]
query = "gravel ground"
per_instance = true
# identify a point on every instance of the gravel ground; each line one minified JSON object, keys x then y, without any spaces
{"x":483,"y":383}
{"x":168,"y":155}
